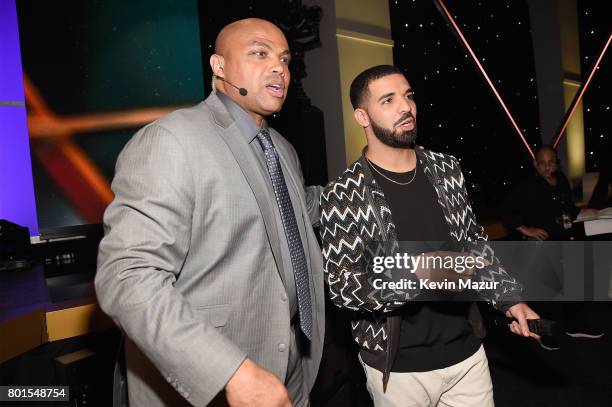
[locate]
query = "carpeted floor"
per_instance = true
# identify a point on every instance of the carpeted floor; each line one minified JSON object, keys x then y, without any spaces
{"x":579,"y":374}
{"x":524,"y":374}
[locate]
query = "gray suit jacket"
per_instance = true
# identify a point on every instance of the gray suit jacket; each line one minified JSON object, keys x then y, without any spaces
{"x":190,"y":265}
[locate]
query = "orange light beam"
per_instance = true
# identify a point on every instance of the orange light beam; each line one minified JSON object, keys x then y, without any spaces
{"x":578,"y":97}
{"x":33,"y":97}
{"x":87,"y":170}
{"x":79,"y":180}
{"x":42,"y":126}
{"x":86,"y":188}
{"x":484,"y":73}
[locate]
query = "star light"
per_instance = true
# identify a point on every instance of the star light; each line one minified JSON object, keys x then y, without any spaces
{"x":451,"y":79}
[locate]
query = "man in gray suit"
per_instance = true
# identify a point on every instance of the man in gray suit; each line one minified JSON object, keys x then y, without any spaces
{"x":209,"y":263}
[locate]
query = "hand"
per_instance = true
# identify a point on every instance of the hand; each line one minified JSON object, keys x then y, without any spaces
{"x":536,"y":233}
{"x":254,"y":386}
{"x":588,"y":212}
{"x":521,"y":312}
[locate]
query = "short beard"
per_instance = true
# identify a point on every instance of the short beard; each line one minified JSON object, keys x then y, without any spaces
{"x":391,"y":138}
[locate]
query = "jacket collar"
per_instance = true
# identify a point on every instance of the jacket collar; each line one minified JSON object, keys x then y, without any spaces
{"x":219,"y":112}
{"x":367,"y":170}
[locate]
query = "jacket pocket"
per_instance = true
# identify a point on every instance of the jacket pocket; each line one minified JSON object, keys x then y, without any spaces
{"x":216,"y":315}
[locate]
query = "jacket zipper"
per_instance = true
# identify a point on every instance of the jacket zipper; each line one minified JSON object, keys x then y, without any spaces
{"x":437,"y":183}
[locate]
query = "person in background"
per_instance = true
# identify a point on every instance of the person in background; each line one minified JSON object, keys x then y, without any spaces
{"x":541,"y":208}
{"x":602,"y":196}
{"x":417,"y":348}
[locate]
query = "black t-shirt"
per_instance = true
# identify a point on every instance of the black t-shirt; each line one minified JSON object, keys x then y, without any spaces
{"x":434,"y":334}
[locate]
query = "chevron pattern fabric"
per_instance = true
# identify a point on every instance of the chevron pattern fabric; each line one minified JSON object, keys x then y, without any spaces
{"x":350,"y":206}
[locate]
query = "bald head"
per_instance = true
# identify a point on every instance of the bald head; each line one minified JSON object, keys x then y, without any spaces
{"x":545,"y":161}
{"x":240,"y":28}
{"x":252,"y":54}
{"x":545,"y":150}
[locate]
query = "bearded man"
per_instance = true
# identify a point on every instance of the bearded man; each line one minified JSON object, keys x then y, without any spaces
{"x":417,"y":347}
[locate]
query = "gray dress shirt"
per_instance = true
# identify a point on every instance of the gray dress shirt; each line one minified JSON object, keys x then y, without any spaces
{"x":248,"y":129}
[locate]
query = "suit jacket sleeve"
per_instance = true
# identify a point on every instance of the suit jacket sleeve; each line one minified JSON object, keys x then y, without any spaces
{"x":148,"y":229}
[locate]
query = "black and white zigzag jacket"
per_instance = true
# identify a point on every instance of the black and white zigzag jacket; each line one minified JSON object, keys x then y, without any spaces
{"x":354,"y":214}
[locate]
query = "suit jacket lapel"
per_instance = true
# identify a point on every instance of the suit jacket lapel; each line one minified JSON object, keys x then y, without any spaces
{"x":295,"y":179}
{"x":297,"y":182}
{"x":252,"y":172}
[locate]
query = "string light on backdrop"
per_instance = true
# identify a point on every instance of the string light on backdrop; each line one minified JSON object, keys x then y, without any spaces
{"x":449,"y":19}
{"x":580,"y":94}
{"x":461,"y":114}
{"x":458,"y":112}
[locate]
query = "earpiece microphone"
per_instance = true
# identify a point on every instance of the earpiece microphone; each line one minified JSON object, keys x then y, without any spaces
{"x":242,"y":91}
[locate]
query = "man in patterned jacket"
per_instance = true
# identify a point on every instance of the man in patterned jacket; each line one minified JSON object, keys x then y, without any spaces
{"x":417,"y":347}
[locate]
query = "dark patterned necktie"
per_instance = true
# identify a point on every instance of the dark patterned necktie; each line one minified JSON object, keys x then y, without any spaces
{"x":296,"y":250}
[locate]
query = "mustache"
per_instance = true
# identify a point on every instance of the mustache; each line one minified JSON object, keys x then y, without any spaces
{"x":405,"y":116}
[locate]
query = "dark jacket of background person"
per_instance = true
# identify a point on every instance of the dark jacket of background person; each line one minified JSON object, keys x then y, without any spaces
{"x":601,"y":197}
{"x":537,"y":204}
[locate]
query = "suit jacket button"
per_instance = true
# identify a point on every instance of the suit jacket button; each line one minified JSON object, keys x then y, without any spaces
{"x":282,"y":347}
{"x":284,"y":297}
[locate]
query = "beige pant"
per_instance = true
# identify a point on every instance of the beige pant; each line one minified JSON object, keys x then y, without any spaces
{"x":466,"y":384}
